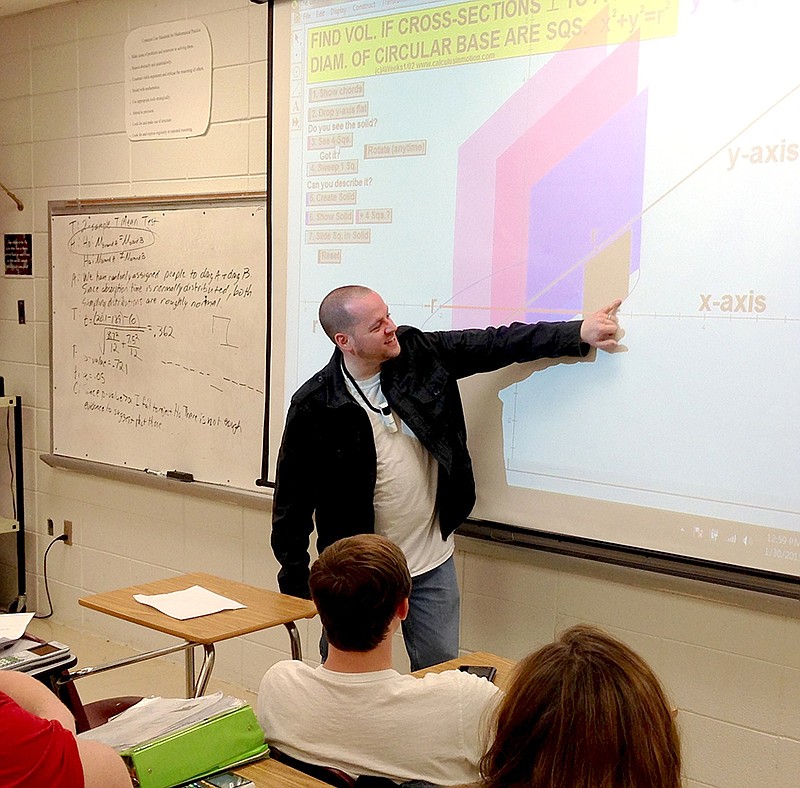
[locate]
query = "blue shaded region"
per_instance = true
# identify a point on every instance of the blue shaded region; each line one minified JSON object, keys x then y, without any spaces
{"x":590,"y":198}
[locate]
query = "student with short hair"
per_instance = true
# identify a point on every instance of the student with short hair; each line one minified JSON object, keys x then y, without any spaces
{"x":38,"y":746}
{"x":584,"y":712}
{"x":355,"y":713}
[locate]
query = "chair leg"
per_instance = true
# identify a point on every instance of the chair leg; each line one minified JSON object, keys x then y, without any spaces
{"x":67,"y":693}
{"x":294,"y":638}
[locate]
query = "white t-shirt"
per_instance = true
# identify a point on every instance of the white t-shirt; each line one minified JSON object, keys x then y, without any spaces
{"x":405,"y":487}
{"x":381,"y":723}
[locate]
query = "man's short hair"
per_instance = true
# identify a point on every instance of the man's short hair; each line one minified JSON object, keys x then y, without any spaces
{"x":334,"y":311}
{"x":357,"y":584}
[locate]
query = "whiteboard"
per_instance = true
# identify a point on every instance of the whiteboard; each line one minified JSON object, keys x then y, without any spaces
{"x":159,"y":335}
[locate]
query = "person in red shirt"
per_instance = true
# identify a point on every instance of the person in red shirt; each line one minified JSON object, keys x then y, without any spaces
{"x":38,"y":747}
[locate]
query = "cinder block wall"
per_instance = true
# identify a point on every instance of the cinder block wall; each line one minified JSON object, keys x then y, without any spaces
{"x":731,"y":660}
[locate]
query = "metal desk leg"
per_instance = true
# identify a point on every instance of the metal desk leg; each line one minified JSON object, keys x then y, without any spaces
{"x":294,"y":637}
{"x":209,"y":656}
{"x":193,"y":688}
{"x":119,"y":663}
{"x":190,"y":682}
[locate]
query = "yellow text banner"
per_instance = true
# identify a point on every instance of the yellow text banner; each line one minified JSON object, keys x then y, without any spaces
{"x":479,"y":31}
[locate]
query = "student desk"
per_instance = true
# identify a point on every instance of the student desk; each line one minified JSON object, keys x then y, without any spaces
{"x":270,"y":773}
{"x":264,"y":609}
{"x":504,"y":666}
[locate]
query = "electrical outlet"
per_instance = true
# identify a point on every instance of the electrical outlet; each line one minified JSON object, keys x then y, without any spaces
{"x":68,"y":531}
{"x":49,"y":526}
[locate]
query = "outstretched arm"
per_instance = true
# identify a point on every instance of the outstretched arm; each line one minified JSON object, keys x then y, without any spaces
{"x":599,"y":329}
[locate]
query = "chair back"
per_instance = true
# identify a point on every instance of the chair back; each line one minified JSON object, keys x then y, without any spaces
{"x":326,"y":774}
{"x":331,"y":775}
{"x":89,"y":715}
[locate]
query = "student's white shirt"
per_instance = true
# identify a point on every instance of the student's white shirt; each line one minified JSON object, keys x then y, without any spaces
{"x":380,"y":723}
{"x":405,"y":488}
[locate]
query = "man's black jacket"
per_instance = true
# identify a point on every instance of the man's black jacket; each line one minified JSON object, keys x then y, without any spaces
{"x":327,"y":465}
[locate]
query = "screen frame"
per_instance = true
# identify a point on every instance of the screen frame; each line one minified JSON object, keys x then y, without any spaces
{"x":699,"y":569}
{"x":707,"y":570}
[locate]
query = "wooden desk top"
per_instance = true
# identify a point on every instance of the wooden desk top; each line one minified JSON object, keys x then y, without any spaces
{"x":270,"y":773}
{"x":264,"y":608}
{"x":504,"y":666}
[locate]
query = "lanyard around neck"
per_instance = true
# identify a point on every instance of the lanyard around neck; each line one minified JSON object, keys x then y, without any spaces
{"x":384,"y":412}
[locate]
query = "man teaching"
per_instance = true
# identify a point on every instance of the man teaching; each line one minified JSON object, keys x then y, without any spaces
{"x":375,"y":442}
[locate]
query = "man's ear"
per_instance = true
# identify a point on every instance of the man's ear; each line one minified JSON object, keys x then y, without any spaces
{"x":402,"y":610}
{"x":342,"y":341}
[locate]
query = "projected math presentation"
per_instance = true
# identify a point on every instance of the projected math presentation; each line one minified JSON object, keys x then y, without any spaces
{"x":479,"y":163}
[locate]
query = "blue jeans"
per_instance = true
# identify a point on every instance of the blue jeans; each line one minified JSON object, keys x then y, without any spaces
{"x":431,"y":630}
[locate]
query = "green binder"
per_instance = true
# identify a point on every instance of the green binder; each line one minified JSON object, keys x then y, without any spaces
{"x":209,"y":746}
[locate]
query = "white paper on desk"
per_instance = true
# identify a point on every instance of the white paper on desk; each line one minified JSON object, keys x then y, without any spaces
{"x":13,"y":626}
{"x":189,"y":603}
